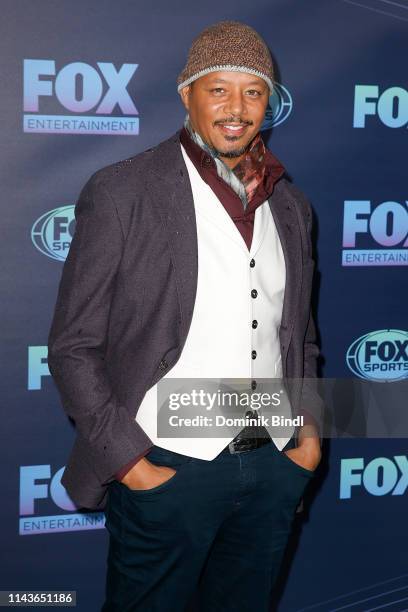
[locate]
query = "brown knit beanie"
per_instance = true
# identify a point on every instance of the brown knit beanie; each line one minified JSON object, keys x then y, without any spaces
{"x":230,"y":46}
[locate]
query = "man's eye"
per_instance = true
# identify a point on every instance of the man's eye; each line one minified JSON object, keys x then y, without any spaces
{"x":254,"y":92}
{"x":218,"y":89}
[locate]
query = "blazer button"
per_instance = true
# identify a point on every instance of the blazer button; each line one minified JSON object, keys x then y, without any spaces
{"x":252,"y":263}
{"x":253,"y":354}
{"x":254,"y":323}
{"x":163,"y":364}
{"x":254,"y":293}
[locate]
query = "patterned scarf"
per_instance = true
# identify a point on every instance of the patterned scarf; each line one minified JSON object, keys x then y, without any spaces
{"x":245,"y":176}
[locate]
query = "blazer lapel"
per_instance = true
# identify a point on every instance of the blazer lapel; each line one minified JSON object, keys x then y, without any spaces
{"x":174,"y":186}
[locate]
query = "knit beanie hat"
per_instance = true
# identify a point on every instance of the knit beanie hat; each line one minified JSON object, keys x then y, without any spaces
{"x":229,"y":46}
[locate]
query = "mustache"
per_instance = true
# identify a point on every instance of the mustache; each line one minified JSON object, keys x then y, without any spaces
{"x":232,"y":120}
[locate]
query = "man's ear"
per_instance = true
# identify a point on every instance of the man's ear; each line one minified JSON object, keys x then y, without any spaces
{"x":185,"y":96}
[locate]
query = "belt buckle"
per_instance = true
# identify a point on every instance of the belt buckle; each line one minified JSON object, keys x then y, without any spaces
{"x":233,"y":446}
{"x":252,"y":443}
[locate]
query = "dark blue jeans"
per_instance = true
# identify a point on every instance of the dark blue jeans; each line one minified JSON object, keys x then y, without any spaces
{"x":218,"y":526}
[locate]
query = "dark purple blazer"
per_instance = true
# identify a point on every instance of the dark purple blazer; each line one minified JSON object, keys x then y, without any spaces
{"x":125,"y":303}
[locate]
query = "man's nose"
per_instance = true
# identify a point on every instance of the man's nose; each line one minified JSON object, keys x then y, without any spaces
{"x":235,"y":104}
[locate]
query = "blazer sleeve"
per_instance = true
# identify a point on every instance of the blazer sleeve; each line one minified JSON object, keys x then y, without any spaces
{"x":311,"y":403}
{"x":78,"y":335}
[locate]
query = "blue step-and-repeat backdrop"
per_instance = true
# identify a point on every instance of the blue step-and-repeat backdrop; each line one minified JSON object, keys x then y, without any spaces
{"x":87,"y":83}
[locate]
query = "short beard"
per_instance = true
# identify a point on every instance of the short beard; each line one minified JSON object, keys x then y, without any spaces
{"x":231,"y":154}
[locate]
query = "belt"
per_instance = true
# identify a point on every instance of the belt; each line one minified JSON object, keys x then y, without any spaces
{"x":241,"y":445}
{"x":249,"y":438}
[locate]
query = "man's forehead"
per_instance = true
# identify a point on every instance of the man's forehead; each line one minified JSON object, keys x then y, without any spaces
{"x":229,"y":76}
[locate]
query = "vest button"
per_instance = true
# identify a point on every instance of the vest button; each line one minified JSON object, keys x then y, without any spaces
{"x":252,"y":263}
{"x":254,"y":323}
{"x":253,"y":384}
{"x":163,"y":364}
{"x":253,"y":354}
{"x":254,"y":293}
{"x":207,"y":160}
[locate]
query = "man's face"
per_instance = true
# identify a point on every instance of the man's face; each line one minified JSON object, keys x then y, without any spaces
{"x":227,"y":110}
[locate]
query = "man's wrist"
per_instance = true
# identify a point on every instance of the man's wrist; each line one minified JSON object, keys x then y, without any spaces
{"x":308,"y":436}
{"x":126,"y":468}
{"x":309,"y":429}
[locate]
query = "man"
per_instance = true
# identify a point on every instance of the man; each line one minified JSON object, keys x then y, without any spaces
{"x":192,"y":259}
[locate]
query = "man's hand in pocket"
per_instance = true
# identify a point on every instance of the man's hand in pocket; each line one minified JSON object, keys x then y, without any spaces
{"x":146,"y":475}
{"x":308,"y":454}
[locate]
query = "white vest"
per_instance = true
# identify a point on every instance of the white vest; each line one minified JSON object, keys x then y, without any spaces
{"x":221,"y":337}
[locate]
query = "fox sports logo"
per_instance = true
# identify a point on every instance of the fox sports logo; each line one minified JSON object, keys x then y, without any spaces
{"x":279,"y":107}
{"x":52,"y":232}
{"x":380,"y":355}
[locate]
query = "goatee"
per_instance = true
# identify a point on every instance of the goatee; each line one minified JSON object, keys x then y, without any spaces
{"x":231,"y":154}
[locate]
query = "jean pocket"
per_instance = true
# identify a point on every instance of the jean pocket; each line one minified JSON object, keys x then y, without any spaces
{"x":295,"y":465}
{"x":167,"y":484}
{"x":162,"y":457}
